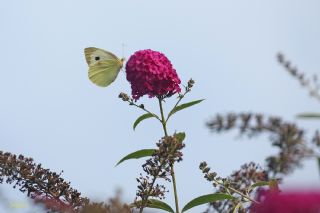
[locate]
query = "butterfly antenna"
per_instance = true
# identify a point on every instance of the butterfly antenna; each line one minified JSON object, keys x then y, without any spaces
{"x":123,"y":58}
{"x":123,"y":53}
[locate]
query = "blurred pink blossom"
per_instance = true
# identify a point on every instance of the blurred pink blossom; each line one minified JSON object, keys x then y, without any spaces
{"x":288,"y":202}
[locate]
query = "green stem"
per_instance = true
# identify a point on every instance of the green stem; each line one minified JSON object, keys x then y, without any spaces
{"x":180,"y":98}
{"x":144,"y":202}
{"x":154,"y":115}
{"x":164,"y":126}
{"x":175,"y":188}
{"x":236,"y":191}
{"x":243,"y":195}
{"x":163,"y":122}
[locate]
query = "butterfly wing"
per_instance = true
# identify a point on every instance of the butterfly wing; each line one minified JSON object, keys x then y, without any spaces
{"x":103,"y":66}
{"x":104,"y":73}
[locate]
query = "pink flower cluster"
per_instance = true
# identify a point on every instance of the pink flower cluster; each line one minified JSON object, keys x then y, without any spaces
{"x":151,"y":73}
{"x":288,"y":202}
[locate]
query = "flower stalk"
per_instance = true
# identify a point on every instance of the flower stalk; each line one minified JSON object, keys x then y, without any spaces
{"x":175,"y":188}
{"x":164,"y":125}
{"x":151,"y":186}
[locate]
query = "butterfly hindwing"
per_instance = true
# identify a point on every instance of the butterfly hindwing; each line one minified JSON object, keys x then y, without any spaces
{"x":104,"y":72}
{"x":104,"y":66}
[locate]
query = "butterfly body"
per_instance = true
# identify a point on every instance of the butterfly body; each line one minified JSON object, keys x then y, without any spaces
{"x":104,"y":66}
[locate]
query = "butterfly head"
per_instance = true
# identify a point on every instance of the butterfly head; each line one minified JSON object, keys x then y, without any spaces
{"x":122,"y":60}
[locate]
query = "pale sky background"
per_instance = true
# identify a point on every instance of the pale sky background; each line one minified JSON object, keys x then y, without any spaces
{"x":50,"y":110}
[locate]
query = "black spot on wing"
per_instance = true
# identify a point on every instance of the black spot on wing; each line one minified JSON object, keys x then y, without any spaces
{"x":97,"y":58}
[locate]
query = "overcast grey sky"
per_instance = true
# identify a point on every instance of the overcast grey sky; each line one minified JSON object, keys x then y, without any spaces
{"x":50,"y":110}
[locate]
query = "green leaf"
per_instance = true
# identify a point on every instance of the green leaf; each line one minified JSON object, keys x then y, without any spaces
{"x":183,"y":106}
{"x":257,"y":184}
{"x":141,"y":118}
{"x":156,"y":204}
{"x":206,"y":199}
{"x":180,"y":136}
{"x":309,"y":115}
{"x":138,"y":154}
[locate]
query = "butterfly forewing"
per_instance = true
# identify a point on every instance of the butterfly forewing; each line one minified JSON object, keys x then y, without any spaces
{"x":104,"y":66}
{"x":94,"y":55}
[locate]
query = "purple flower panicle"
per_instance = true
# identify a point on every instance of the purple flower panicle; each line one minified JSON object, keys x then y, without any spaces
{"x":151,"y":73}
